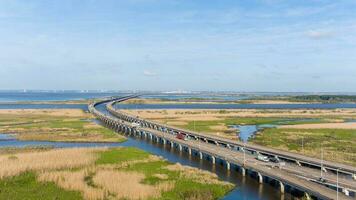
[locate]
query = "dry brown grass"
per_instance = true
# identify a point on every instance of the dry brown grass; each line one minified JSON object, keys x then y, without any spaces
{"x":75,"y":169}
{"x":322,"y":126}
{"x":128,"y":184}
{"x":55,"y":125}
{"x":185,"y":115}
{"x":195,"y":174}
{"x":109,"y":183}
{"x":67,"y":137}
{"x":74,"y":180}
{"x":49,"y":112}
{"x":15,"y":164}
{"x":161,"y":176}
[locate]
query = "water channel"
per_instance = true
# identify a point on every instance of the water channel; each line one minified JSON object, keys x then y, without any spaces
{"x":246,"y":187}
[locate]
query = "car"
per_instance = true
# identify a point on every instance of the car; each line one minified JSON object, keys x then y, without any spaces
{"x":134,"y":124}
{"x":322,"y":180}
{"x":262,"y":158}
{"x":274,"y":160}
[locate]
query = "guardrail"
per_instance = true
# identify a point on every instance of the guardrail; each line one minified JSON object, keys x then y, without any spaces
{"x":287,"y":156}
{"x":281,"y":176}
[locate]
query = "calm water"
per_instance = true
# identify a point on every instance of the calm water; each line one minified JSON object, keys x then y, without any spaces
{"x":44,"y":106}
{"x":246,"y":131}
{"x":211,"y":97}
{"x":13,"y":96}
{"x":235,"y":106}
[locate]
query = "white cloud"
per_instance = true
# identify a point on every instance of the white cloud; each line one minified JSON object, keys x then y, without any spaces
{"x":318,"y":34}
{"x":149,"y":73}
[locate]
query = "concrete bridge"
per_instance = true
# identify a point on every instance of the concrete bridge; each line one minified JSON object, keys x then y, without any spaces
{"x":234,"y":155}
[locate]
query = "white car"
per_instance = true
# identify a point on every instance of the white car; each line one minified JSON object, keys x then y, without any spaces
{"x":135,"y":124}
{"x":262,"y":158}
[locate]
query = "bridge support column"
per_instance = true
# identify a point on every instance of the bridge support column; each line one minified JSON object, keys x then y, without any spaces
{"x":324,"y":169}
{"x":213,"y":159}
{"x":260,"y":177}
{"x":201,"y":155}
{"x":180,"y":147}
{"x":151,"y":136}
{"x":307,"y":196}
{"x":189,"y":151}
{"x":172,"y":144}
{"x":216,"y":143}
{"x":243,"y":171}
{"x":164,"y":141}
{"x":228,"y":165}
{"x":346,"y":191}
{"x":298,"y":163}
{"x":354,"y":176}
{"x":281,"y":185}
{"x":157,"y":139}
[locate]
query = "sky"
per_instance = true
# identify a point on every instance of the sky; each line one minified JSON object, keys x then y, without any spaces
{"x":190,"y":45}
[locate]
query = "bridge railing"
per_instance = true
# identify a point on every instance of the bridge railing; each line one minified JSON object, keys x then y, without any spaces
{"x":288,"y":156}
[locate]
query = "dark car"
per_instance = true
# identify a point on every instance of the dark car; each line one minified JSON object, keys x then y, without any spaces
{"x":274,"y":160}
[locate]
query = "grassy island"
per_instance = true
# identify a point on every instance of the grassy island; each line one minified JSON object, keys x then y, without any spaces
{"x":68,"y":125}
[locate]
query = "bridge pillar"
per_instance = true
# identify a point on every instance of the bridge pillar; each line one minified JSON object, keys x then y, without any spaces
{"x":164,"y":141}
{"x":228,"y":165}
{"x":307,"y":196}
{"x":172,"y":144}
{"x":243,"y":171}
{"x":180,"y":147}
{"x":157,"y":139}
{"x":151,"y":136}
{"x":217,"y":144}
{"x":189,"y":151}
{"x":260,"y":177}
{"x":298,"y":163}
{"x":346,"y":191}
{"x":281,"y":185}
{"x":213,"y":159}
{"x":205,"y":140}
{"x":201,"y":155}
{"x":354,"y":176}
{"x":324,"y":169}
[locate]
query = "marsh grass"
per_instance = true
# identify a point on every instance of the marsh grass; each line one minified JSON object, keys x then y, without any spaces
{"x":26,"y":186}
{"x":101,"y":173}
{"x":55,"y":125}
{"x":338,"y":144}
{"x":48,"y":160}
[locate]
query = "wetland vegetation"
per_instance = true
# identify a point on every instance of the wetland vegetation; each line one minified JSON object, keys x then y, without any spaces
{"x":55,"y":125}
{"x":314,"y":129}
{"x":102,"y":173}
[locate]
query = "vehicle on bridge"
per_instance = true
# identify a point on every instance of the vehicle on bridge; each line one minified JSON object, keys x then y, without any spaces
{"x":262,"y":158}
{"x":182,"y":136}
{"x":134,"y":124}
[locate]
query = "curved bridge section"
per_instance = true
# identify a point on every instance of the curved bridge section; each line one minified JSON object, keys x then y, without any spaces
{"x":229,"y":153}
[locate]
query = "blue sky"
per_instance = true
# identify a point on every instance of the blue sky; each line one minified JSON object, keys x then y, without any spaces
{"x":240,"y":45}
